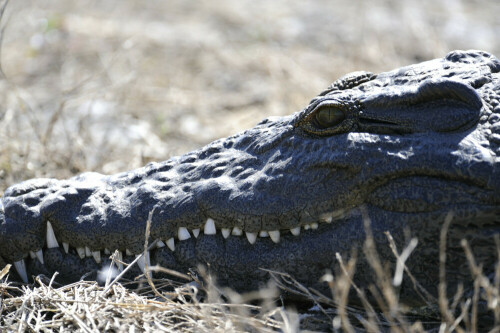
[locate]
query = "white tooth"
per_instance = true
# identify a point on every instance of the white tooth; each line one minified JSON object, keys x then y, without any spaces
{"x":32,"y":255}
{"x":39,"y":255}
{"x":307,"y":227}
{"x":183,"y":234}
{"x":159,"y":244}
{"x":119,"y":257}
{"x":196,"y":232}
{"x":66,"y":247}
{"x":51,"y":237}
{"x":275,"y":235}
{"x":237,"y":231}
{"x":171,"y":244}
{"x":128,"y":252}
{"x":314,"y":225}
{"x":106,"y":251}
{"x":97,"y":256}
{"x":295,"y":231}
{"x":251,"y":236}
{"x":263,"y":234}
{"x":81,"y":252}
{"x":88,"y":253}
{"x":327,"y":217}
{"x":225,"y":232}
{"x":21,"y":270}
{"x":339,"y":213}
{"x":210,"y":227}
{"x":142,"y":260}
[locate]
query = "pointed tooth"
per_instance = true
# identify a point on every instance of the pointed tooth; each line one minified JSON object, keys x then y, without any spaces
{"x":66,"y":247}
{"x":142,"y":260}
{"x":21,"y":270}
{"x":106,"y":251}
{"x":196,"y":232}
{"x":314,"y":226}
{"x":295,"y":231}
{"x":88,"y":253}
{"x":225,"y":232}
{"x":237,"y":231}
{"x":32,"y":255}
{"x":171,"y":243}
{"x":210,"y":227}
{"x":307,"y":227}
{"x":140,"y":263}
{"x":39,"y":255}
{"x":275,"y":235}
{"x":128,"y":252}
{"x":251,"y":236}
{"x":81,"y":252}
{"x":97,"y":256}
{"x":339,"y":213}
{"x":51,"y":237}
{"x":183,"y":234}
{"x":160,"y":244}
{"x":263,"y":234}
{"x":326,"y":217}
{"x":119,"y":256}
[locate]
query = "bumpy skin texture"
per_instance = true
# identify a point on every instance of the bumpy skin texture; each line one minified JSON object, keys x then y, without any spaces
{"x":406,"y":146}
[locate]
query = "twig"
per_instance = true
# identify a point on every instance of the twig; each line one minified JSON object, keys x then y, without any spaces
{"x":2,"y":33}
{"x":443,"y":299}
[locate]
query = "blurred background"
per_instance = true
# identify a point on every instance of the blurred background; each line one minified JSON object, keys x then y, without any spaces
{"x":110,"y":85}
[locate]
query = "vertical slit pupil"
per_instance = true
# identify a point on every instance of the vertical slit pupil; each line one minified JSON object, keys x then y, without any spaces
{"x":329,"y":116}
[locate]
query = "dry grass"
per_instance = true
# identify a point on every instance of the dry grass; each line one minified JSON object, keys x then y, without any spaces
{"x":86,"y":307}
{"x":109,"y":85}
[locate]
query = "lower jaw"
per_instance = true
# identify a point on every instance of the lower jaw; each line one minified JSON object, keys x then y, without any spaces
{"x":234,"y":261}
{"x":238,"y":264}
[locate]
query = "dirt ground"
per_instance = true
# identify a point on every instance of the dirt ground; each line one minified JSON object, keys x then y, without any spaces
{"x":107,"y":86}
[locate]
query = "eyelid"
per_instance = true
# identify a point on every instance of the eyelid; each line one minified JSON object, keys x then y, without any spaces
{"x":322,"y":104}
{"x":307,"y":123}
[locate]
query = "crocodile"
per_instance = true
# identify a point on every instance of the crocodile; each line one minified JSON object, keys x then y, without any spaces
{"x":404,"y":147}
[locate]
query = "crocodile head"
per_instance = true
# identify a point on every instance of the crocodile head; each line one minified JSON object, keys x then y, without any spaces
{"x":406,"y":147}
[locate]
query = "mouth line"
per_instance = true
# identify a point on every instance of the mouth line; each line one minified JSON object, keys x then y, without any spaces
{"x":183,"y":234}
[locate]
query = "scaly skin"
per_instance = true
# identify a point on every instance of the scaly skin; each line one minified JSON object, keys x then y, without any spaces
{"x":408,"y":146}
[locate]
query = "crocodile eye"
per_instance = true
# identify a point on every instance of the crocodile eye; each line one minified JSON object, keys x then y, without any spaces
{"x":329,"y":116}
